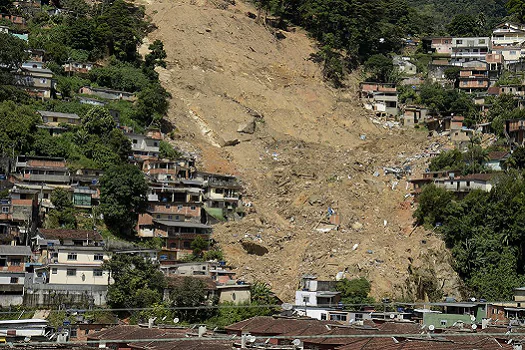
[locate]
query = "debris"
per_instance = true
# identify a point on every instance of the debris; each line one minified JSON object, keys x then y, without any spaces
{"x":251,"y":15}
{"x":355,"y":246}
{"x":324,"y":228}
{"x":254,"y":248}
{"x":385,"y":223}
{"x":280,"y":35}
{"x":248,"y":128}
{"x":231,"y":142}
{"x":370,"y":251}
{"x":357,"y":225}
{"x":376,"y":173}
{"x":363,"y":137}
{"x":394,"y":185}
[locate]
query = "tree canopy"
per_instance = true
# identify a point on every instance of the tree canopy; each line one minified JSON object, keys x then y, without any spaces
{"x":122,"y":196}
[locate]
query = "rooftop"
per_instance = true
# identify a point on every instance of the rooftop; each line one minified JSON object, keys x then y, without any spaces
{"x":15,"y":250}
{"x":58,"y":114}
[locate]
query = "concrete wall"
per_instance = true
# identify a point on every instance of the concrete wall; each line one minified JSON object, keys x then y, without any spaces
{"x":7,"y":300}
{"x":58,"y":294}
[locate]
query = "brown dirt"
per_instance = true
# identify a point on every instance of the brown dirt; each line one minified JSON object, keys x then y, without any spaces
{"x":305,"y":155}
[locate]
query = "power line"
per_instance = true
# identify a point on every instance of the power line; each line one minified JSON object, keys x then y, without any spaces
{"x":417,"y":336}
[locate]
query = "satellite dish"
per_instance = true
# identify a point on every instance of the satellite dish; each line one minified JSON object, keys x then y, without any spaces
{"x":431,"y":327}
{"x":296,"y":342}
{"x":176,"y":320}
{"x":474,"y":326}
{"x":287,"y":307}
{"x":472,"y":318}
{"x":251,"y":339}
{"x":392,"y":316}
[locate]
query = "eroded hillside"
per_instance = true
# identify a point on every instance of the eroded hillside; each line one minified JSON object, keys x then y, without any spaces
{"x":228,"y":71}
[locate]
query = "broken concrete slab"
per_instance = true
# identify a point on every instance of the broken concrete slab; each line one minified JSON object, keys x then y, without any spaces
{"x":248,"y":128}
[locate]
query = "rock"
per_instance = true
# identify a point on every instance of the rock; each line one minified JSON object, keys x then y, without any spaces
{"x":230,"y":142}
{"x":254,"y":248}
{"x":357,"y":225}
{"x":280,"y":35}
{"x":208,"y":30}
{"x":251,"y":15}
{"x":314,"y":199}
{"x":248,"y":128}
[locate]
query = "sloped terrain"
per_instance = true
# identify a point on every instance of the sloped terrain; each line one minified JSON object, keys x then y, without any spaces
{"x":307,"y":154}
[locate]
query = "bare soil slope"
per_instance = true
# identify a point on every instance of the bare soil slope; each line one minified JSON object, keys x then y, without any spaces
{"x":306,"y":154}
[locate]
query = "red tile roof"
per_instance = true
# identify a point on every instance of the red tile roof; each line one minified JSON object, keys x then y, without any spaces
{"x":497,"y":155}
{"x":70,"y":234}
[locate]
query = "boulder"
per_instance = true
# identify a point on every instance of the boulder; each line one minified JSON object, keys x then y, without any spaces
{"x":248,"y":128}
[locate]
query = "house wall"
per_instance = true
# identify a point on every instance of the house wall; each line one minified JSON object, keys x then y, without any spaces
{"x":305,"y":298}
{"x":442,"y":45}
{"x":84,"y":275}
{"x":58,"y":294}
{"x":444,"y":320}
{"x":235,"y":294}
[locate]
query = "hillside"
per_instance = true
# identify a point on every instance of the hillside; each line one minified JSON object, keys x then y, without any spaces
{"x":225,"y":70}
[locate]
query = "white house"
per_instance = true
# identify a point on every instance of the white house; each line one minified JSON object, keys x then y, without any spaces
{"x":77,"y":265}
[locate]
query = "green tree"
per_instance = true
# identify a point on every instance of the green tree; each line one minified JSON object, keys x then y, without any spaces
{"x":151,"y":105}
{"x":191,"y":293}
{"x":138,"y":283}
{"x":199,"y":245}
{"x":448,"y":160}
{"x":433,"y":206}
{"x":98,"y":121}
{"x":166,"y":150}
{"x":354,"y":291}
{"x":464,"y":25}
{"x":14,"y":57}
{"x":516,"y":8}
{"x":122,"y":196}
{"x":452,"y":74}
{"x":379,"y":67}
{"x":517,"y":159}
{"x":18,"y":129}
{"x":61,"y":199}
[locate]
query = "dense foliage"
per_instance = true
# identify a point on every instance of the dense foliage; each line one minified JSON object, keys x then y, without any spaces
{"x":485,"y":233}
{"x":138,"y":283}
{"x":354,"y":291}
{"x":123,"y":191}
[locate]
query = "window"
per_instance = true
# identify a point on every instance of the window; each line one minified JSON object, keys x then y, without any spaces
{"x":98,"y":257}
{"x":170,"y":217}
{"x":54,"y":271}
{"x":338,"y":317}
{"x":86,"y":331}
{"x":43,"y":81}
{"x":135,"y":141}
{"x":97,"y":273}
{"x":459,"y":42}
{"x":443,"y":322}
{"x":481,"y":82}
{"x":15,"y":262}
{"x":71,"y":272}
{"x":193,"y":207}
{"x":71,"y":256}
{"x":234,"y":296}
{"x":446,"y":41}
{"x":468,"y":183}
{"x":5,"y":210}
{"x":306,"y":299}
{"x":73,"y":333}
{"x":512,"y":52}
{"x":187,"y":244}
{"x":177,"y":218}
{"x":14,"y":279}
{"x":323,"y":317}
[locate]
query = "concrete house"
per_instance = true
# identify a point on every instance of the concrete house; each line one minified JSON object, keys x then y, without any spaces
{"x":38,"y":82}
{"x":442,"y":45}
{"x":108,"y":94}
{"x":496,"y":160}
{"x":515,"y":129}
{"x":13,"y":262}
{"x":469,"y":49}
{"x":316,"y":298}
{"x":53,"y":120}
{"x":143,"y":146}
{"x":379,"y":97}
{"x":78,"y":67}
{"x":508,"y":34}
{"x":462,"y":185}
{"x":413,"y":115}
{"x":474,"y":76}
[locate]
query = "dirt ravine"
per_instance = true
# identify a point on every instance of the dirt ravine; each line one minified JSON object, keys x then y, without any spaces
{"x":225,"y":70}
